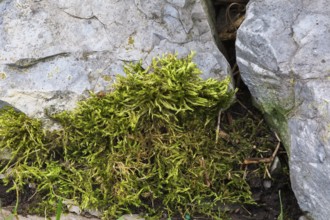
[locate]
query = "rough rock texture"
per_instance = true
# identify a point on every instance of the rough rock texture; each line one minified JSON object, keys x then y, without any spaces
{"x":283,"y":51}
{"x":5,"y":215}
{"x":54,"y":52}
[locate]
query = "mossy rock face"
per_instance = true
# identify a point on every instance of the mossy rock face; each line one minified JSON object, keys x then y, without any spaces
{"x":149,"y":146}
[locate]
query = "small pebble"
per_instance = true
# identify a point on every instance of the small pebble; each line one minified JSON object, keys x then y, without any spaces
{"x":303,"y":217}
{"x":187,"y":217}
{"x":74,"y":209}
{"x":267,"y":184}
{"x":32,"y":185}
{"x":276,"y":166}
{"x":95,"y":213}
{"x":130,"y":217}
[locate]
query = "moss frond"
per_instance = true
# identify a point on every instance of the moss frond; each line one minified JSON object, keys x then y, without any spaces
{"x":148,"y":146}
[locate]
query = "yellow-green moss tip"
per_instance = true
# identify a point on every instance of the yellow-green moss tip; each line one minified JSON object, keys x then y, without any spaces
{"x":148,"y":146}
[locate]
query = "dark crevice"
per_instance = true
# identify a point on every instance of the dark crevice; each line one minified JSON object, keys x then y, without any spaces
{"x":229,"y":15}
{"x":29,"y":62}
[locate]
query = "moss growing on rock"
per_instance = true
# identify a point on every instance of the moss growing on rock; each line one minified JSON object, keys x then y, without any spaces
{"x":146,"y":147}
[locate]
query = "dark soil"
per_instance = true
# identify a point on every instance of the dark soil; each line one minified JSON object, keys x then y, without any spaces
{"x":6,"y":199}
{"x":268,"y":205}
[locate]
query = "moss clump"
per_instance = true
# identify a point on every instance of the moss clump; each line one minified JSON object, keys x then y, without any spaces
{"x":148,"y":147}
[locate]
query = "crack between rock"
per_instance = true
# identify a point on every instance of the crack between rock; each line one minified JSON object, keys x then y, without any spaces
{"x":140,"y":9}
{"x":296,"y":103}
{"x":90,"y":18}
{"x":293,"y":36}
{"x":146,"y":16}
{"x":170,"y":41}
{"x":86,"y":18}
{"x":29,"y":62}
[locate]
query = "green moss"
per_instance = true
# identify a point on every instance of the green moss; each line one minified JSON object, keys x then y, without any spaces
{"x":277,"y":117}
{"x":130,"y":40}
{"x":147,"y":147}
{"x":106,"y":78}
{"x":277,"y":110}
{"x":3,"y":75}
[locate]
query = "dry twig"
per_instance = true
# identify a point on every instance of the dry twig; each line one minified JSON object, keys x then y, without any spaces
{"x":218,"y":127}
{"x":264,"y":160}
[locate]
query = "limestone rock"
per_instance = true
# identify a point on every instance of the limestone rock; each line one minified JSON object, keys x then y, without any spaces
{"x":54,"y":52}
{"x":283,"y":53}
{"x":5,"y":215}
{"x":131,"y":217}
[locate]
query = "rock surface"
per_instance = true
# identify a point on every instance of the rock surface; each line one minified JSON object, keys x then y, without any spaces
{"x":55,"y":52}
{"x":5,"y":215}
{"x":283,"y":53}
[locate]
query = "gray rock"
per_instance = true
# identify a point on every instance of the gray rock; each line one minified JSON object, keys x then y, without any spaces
{"x":5,"y":215}
{"x":283,"y":53}
{"x":304,"y":217}
{"x":54,"y":52}
{"x":131,"y":217}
